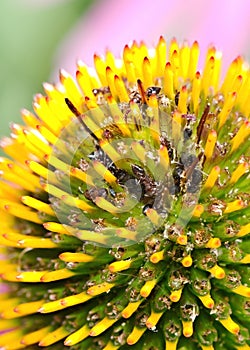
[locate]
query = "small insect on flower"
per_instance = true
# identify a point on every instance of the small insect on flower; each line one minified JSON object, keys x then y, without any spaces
{"x":125,"y":207}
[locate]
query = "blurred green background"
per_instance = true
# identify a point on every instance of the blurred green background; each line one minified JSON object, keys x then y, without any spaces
{"x":30,"y":31}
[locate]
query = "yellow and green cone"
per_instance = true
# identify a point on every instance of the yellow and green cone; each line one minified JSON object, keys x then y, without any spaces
{"x":124,"y":206}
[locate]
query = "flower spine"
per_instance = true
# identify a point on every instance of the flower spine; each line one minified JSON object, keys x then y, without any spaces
{"x":124,"y":204}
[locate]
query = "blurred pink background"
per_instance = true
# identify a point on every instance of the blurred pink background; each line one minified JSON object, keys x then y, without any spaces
{"x":112,"y":24}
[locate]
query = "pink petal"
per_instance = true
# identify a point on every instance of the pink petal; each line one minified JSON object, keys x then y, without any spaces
{"x":113,"y":23}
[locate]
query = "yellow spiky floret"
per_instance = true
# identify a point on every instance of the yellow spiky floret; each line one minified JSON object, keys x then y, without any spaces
{"x":126,"y":206}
